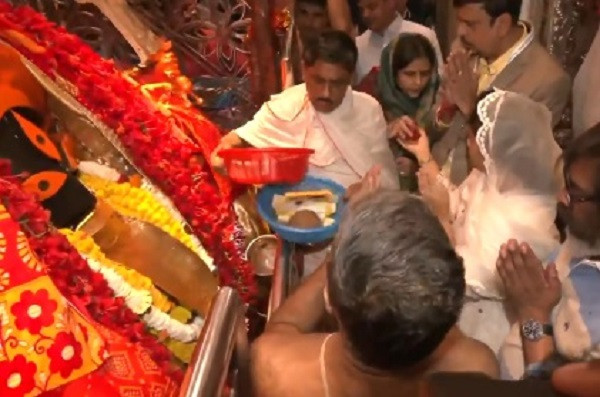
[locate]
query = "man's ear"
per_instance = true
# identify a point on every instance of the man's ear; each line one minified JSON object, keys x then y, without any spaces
{"x":503,"y":24}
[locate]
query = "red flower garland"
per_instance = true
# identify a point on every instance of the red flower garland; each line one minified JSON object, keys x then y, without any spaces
{"x":146,"y":134}
{"x":85,"y":288}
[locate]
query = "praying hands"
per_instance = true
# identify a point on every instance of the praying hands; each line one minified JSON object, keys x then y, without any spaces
{"x":461,"y":82}
{"x":531,"y":289}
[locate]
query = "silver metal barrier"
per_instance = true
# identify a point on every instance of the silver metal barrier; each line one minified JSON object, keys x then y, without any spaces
{"x":222,"y":353}
{"x":285,"y":276}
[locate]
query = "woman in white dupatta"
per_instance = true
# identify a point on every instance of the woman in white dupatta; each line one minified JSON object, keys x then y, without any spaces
{"x":510,"y":193}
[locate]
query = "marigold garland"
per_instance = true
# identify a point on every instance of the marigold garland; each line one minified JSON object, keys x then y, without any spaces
{"x":71,"y":274}
{"x":86,"y":246}
{"x":140,"y":204}
{"x":144,"y":131}
{"x":140,"y":294}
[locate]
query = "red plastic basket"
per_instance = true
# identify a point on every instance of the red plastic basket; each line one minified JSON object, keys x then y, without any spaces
{"x":266,"y":166}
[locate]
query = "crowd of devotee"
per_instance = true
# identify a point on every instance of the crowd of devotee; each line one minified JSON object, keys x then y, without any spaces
{"x":470,"y":245}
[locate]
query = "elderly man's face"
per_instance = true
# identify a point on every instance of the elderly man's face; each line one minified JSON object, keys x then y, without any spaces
{"x":326,"y":84}
{"x":580,"y":206}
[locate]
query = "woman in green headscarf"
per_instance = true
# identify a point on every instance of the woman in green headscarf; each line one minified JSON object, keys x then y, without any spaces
{"x":407,"y":88}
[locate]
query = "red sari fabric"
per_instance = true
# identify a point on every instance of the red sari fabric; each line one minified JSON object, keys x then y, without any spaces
{"x":128,"y":372}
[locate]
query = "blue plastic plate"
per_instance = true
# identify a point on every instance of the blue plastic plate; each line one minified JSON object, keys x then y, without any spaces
{"x":293,"y":234}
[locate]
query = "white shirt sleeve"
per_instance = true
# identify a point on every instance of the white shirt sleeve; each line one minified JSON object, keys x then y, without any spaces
{"x":361,"y":63}
{"x":266,"y":129}
{"x":382,"y":154}
{"x":253,"y":131}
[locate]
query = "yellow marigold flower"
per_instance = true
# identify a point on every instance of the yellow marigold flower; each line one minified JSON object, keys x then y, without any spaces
{"x":85,"y":245}
{"x":140,"y":204}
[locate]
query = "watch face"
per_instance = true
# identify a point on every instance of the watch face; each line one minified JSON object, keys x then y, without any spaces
{"x":532,"y":330}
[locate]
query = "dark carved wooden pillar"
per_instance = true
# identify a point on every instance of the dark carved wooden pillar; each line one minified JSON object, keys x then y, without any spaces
{"x":265,"y":79}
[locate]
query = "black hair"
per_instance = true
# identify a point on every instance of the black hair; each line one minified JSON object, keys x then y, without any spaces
{"x":331,"y":46}
{"x":585,"y":146}
{"x":317,"y":3}
{"x":411,"y":46}
{"x":395,"y":282}
{"x":496,"y":8}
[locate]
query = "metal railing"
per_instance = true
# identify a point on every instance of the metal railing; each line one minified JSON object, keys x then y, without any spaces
{"x":222,"y":351}
{"x":285,"y":276}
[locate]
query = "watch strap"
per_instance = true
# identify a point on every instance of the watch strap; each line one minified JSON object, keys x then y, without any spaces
{"x":533,"y":330}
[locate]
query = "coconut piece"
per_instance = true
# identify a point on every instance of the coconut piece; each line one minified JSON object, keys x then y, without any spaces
{"x":305,"y":219}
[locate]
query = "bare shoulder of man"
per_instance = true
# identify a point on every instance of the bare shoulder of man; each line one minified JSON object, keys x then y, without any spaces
{"x":264,"y":358}
{"x":277,"y":359}
{"x":475,"y":356}
{"x":467,"y":355}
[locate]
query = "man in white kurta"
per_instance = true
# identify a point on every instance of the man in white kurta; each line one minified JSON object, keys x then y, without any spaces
{"x":347,"y":142}
{"x":384,"y":26}
{"x":347,"y":129}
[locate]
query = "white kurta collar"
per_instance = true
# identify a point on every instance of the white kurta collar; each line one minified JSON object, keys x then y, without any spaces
{"x":391,"y":31}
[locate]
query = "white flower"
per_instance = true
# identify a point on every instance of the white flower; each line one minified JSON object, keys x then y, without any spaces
{"x":141,"y":302}
{"x":175,"y":329}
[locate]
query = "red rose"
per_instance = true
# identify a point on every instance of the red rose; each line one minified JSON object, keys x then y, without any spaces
{"x":16,"y":377}
{"x":34,"y":311}
{"x":65,"y":354}
{"x":149,"y":137}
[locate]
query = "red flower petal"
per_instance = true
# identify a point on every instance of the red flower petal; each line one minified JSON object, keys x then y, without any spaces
{"x":34,"y":311}
{"x":16,"y":377}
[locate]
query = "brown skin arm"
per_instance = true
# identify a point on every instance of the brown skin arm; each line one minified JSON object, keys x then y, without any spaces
{"x":532,"y":292}
{"x":459,"y":353}
{"x":229,"y":141}
{"x":541,"y":350}
{"x":484,"y":361}
{"x":578,"y":380}
{"x":303,"y":311}
{"x":263,"y":371}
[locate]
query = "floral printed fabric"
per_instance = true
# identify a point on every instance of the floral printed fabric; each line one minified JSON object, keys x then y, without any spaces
{"x":44,"y":342}
{"x":128,"y":372}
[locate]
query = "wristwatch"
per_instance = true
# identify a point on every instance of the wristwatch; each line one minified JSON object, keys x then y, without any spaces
{"x":533,"y":330}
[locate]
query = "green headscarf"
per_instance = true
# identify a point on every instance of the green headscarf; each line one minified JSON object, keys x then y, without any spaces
{"x":395,"y":102}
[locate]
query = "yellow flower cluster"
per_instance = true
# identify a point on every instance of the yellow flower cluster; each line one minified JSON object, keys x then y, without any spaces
{"x":86,"y":246}
{"x":181,"y":350}
{"x":138,"y":203}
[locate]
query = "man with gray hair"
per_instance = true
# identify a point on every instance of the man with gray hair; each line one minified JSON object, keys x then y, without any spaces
{"x":395,"y":286}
